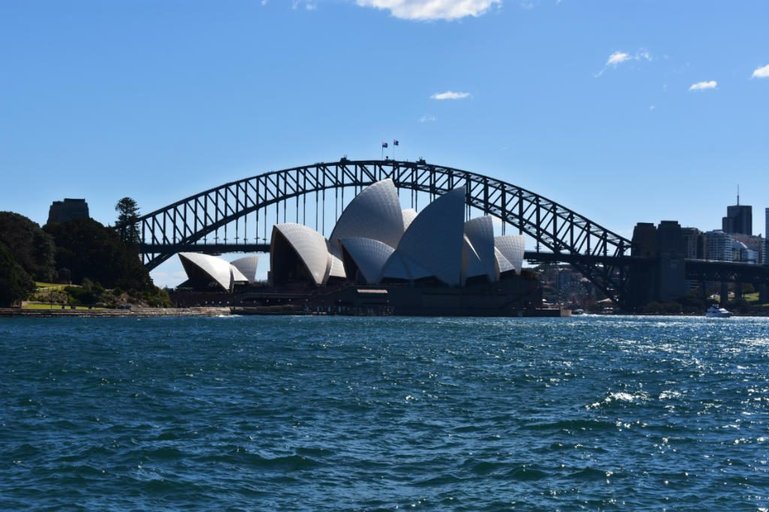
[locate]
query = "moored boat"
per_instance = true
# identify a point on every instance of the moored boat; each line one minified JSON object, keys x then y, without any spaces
{"x":717,"y":312}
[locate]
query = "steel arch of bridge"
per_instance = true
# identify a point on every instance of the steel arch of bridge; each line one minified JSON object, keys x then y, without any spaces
{"x":594,"y":250}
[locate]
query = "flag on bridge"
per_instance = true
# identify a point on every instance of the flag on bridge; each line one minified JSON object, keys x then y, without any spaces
{"x":384,"y":144}
{"x":395,"y":142}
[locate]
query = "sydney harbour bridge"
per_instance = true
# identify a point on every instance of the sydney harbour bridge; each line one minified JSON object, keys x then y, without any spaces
{"x":238,"y":216}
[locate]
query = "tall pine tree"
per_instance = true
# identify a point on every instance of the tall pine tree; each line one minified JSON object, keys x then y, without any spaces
{"x":128,"y":215}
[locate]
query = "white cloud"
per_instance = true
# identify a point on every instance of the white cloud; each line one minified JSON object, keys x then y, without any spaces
{"x":618,"y":57}
{"x":309,"y":5}
{"x":450,"y":95}
{"x":431,"y":9}
{"x":427,"y":118}
{"x":762,"y":72}
{"x":643,"y":55}
{"x":703,"y":86}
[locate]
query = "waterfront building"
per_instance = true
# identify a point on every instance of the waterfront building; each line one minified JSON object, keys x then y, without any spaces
{"x":379,"y":259}
{"x":211,"y":273}
{"x":672,"y":253}
{"x":694,"y":244}
{"x":375,"y":241}
{"x":666,"y":279}
{"x":751,"y":249}
{"x":718,"y":246}
{"x":645,"y":240}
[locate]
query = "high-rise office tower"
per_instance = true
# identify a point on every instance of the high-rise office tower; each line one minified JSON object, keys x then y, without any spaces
{"x":766,"y":226}
{"x":766,"y":237}
{"x":739,"y":219}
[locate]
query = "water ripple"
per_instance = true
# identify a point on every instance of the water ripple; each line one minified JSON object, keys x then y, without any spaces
{"x":313,"y":413}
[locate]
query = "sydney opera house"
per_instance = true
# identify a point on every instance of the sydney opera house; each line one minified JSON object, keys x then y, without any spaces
{"x":381,"y":259}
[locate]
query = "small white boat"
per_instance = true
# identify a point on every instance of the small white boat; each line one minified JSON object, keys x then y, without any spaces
{"x":716,"y":312}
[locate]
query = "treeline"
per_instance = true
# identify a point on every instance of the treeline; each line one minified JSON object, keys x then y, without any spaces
{"x":79,"y":252}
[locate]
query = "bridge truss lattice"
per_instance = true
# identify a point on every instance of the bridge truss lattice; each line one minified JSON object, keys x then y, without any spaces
{"x":223,"y":213}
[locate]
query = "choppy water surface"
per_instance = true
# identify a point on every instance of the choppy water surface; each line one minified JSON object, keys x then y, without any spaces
{"x":324,"y":413}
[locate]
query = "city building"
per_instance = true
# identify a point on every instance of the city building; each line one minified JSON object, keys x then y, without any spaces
{"x":694,"y":242}
{"x":672,"y":251}
{"x":738,"y":220}
{"x":766,"y":235}
{"x":664,"y":280}
{"x":718,"y":246}
{"x":751,"y":249}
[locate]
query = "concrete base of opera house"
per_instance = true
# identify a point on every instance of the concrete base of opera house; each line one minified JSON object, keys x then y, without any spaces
{"x":512,"y":296}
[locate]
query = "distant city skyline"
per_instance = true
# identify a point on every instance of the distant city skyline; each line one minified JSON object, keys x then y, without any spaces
{"x":624,"y":112}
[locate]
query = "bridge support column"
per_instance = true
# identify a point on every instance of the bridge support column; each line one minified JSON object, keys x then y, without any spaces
{"x":738,"y":291}
{"x":724,"y":294}
{"x":763,"y":293}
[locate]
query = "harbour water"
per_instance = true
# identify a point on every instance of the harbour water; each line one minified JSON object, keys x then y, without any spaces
{"x":333,"y":413}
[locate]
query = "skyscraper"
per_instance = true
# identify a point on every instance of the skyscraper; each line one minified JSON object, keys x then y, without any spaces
{"x":766,"y":225}
{"x":766,"y":237}
{"x":738,"y":220}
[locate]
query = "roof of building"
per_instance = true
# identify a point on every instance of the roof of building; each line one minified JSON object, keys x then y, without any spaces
{"x":512,"y":248}
{"x":219,"y":270}
{"x":479,"y":233}
{"x":247,"y":267}
{"x":310,"y":246}
{"x":374,"y":213}
{"x":434,"y":239}
{"x":369,"y":256}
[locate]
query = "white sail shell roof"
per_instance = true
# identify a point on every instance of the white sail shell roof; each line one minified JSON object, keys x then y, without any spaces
{"x":311,"y":248}
{"x":502,"y":264}
{"x":433,"y":241}
{"x":247,"y":267}
{"x":336,"y":267}
{"x":237,"y":275}
{"x":472,"y":265}
{"x":369,"y":255}
{"x":480,"y":234}
{"x":511,"y":247}
{"x":216,"y":268}
{"x":400,"y":266}
{"x":374,"y":213}
{"x":409,"y":214}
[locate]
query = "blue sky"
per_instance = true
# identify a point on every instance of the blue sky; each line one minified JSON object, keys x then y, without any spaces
{"x":624,"y":111}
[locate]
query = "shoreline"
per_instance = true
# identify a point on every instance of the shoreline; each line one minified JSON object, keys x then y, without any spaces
{"x":209,"y":311}
{"x":116,"y":313}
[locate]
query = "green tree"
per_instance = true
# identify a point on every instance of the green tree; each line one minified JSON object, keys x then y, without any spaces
{"x":90,"y":250}
{"x":128,"y":215}
{"x":15,"y":283}
{"x":30,"y":246}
